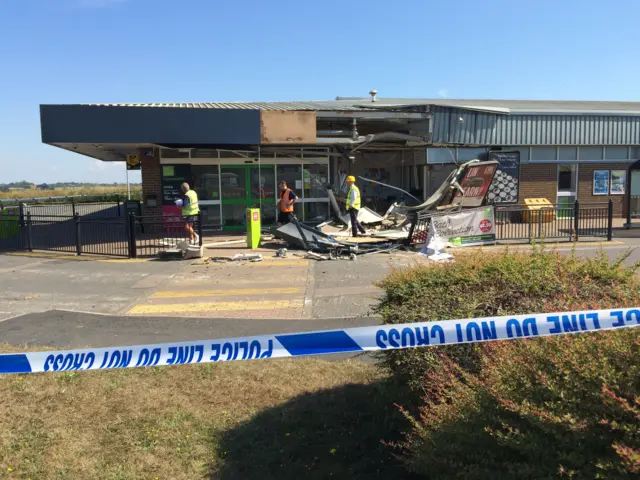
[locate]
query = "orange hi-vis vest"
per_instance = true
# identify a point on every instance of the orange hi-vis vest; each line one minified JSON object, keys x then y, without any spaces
{"x":285,"y":206}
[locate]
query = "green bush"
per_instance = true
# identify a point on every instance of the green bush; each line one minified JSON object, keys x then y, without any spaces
{"x":481,"y":284}
{"x":566,"y":407}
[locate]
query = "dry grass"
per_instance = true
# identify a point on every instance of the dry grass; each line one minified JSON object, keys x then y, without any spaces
{"x":270,"y":419}
{"x":61,"y":192}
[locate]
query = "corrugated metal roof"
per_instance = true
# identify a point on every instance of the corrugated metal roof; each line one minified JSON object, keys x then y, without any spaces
{"x":276,"y":106}
{"x":478,"y":128}
{"x":513,"y":106}
{"x":354,"y":104}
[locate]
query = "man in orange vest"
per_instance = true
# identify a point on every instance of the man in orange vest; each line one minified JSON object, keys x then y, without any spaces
{"x":287,"y":199}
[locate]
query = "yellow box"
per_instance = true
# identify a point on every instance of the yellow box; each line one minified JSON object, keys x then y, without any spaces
{"x":534,"y":208}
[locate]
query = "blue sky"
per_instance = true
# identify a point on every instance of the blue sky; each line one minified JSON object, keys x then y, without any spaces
{"x":93,"y":51}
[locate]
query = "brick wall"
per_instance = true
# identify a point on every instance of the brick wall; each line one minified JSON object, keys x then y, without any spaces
{"x":151,"y":182}
{"x":585,"y":186}
{"x":538,"y":181}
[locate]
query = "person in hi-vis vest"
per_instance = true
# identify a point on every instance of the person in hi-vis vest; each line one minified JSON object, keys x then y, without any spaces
{"x":190,"y":210}
{"x":353,"y":206}
{"x":287,"y":199}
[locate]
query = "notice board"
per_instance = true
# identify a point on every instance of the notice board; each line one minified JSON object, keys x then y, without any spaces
{"x":505,"y":187}
{"x":173,"y":176}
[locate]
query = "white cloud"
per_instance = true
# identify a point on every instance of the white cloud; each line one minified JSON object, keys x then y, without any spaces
{"x":102,"y":166}
{"x":98,"y":3}
{"x":443,"y":93}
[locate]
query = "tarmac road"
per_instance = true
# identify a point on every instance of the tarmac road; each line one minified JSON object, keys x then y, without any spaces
{"x":74,"y":304}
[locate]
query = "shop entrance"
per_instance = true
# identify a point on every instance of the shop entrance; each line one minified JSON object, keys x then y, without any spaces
{"x":247,"y":186}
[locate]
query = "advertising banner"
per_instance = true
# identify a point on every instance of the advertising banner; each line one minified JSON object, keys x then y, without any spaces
{"x":467,"y":228}
{"x":475,"y":184}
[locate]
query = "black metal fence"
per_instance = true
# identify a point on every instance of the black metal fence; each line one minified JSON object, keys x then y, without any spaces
{"x":123,"y":236}
{"x":151,"y":234}
{"x":554,"y":222}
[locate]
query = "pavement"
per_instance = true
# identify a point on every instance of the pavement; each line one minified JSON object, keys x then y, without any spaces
{"x":60,"y":301}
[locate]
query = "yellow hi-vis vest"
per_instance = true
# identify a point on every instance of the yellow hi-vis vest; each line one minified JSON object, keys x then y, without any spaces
{"x":192,"y":208}
{"x":356,"y":202}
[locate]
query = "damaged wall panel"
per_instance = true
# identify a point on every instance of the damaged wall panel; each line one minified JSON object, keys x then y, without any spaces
{"x":287,"y":127}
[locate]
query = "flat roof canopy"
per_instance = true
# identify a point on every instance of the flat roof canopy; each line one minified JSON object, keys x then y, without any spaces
{"x":141,"y":125}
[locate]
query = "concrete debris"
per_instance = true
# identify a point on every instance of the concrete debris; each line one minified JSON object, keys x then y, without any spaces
{"x":366,"y":216}
{"x":193,"y":251}
{"x":253,"y":257}
{"x":222,"y":243}
{"x":281,"y":253}
{"x":317,"y":256}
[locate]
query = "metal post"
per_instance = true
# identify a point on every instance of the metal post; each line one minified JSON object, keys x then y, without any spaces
{"x":29,"y":233}
{"x":128,"y":187}
{"x":21,"y":209}
{"x":610,"y":221}
{"x":576,"y":220}
{"x":531,"y":225}
{"x":628,"y":202}
{"x":73,"y":207}
{"x":133,"y":251}
{"x":414,"y":222}
{"x":118,"y":203}
{"x":200,"y":228}
{"x":540,"y":215}
{"x":76,"y":221}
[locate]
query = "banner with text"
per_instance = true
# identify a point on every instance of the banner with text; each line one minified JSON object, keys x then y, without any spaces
{"x":467,"y":228}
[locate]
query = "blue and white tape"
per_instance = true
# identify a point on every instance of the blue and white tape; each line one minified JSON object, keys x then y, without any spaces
{"x":376,"y":338}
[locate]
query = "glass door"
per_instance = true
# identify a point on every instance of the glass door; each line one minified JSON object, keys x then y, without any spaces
{"x":567,"y":190}
{"x":247,"y":186}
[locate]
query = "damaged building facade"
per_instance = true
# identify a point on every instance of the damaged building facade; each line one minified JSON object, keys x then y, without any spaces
{"x":234,"y":154}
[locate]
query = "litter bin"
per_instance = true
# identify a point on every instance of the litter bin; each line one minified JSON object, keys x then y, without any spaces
{"x":253,"y":227}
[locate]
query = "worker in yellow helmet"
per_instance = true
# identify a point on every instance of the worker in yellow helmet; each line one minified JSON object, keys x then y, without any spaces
{"x":353,"y":206}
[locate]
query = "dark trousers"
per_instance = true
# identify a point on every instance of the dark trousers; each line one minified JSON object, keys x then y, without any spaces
{"x":355,"y":224}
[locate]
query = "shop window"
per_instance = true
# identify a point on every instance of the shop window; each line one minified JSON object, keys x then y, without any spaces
{"x":206,"y":180}
{"x":567,"y":153}
{"x":315,"y":178}
{"x":169,"y":153}
{"x":292,"y":174}
{"x":544,"y":153}
{"x":468,"y":154}
{"x":590,"y":153}
{"x":616,"y":153}
{"x":567,"y":178}
{"x":441,"y":155}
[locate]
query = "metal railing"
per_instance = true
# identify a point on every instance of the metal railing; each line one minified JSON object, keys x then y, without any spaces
{"x":151,"y":234}
{"x":91,"y":210}
{"x":520,"y":222}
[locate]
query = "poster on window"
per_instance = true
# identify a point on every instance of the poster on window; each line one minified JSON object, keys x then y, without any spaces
{"x":618,"y":182}
{"x":601,"y":182}
{"x":505,"y":185}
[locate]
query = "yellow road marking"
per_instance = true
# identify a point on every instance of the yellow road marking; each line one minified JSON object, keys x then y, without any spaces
{"x":216,"y":306}
{"x":219,"y":293}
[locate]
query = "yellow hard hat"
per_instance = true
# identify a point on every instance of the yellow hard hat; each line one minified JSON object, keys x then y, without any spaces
{"x":351,"y":178}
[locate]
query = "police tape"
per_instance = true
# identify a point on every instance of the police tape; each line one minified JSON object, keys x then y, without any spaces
{"x":349,"y":340}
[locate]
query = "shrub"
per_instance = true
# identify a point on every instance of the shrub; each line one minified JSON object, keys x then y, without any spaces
{"x":552,"y":407}
{"x":481,"y":284}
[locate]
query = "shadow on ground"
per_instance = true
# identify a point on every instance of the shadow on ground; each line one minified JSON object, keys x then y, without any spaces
{"x":334,"y":433}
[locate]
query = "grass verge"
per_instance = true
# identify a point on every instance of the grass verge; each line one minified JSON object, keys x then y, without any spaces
{"x":273,"y":419}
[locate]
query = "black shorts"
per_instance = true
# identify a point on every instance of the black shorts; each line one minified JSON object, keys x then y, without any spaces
{"x":191,"y":219}
{"x":285,"y":217}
